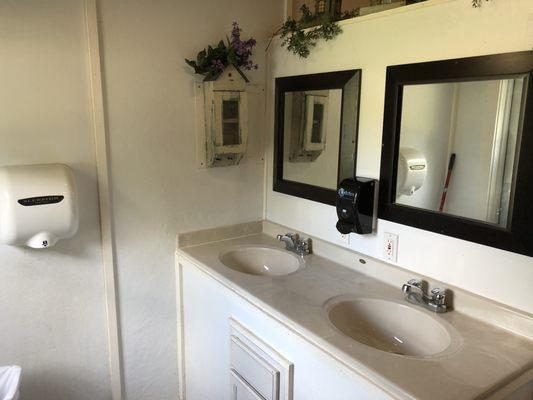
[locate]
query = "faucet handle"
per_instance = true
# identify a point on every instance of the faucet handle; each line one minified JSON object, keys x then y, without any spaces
{"x":292,"y":236}
{"x":411,"y":283}
{"x":293,"y":243}
{"x":438,"y":292}
{"x":305,"y":246}
{"x":439,"y":295}
{"x":415,"y":282}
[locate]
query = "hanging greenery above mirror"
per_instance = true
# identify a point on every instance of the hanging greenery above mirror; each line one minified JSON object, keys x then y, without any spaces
{"x":299,"y":37}
{"x":477,"y":3}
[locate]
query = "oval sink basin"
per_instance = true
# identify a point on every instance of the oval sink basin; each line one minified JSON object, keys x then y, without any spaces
{"x":389,"y":326}
{"x":261,"y":260}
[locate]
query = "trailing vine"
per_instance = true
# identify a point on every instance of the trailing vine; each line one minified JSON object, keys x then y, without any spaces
{"x":300,"y":41}
{"x":299,"y":37}
{"x":477,"y":3}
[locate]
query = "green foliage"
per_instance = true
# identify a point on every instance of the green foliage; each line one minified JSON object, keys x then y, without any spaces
{"x":212,"y":61}
{"x":350,"y":14}
{"x":300,"y":40}
{"x":205,"y":60}
{"x":301,"y":36}
{"x":477,"y":3}
{"x":307,"y":15}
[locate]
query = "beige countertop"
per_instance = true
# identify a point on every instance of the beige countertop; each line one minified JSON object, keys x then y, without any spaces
{"x":482,"y":359}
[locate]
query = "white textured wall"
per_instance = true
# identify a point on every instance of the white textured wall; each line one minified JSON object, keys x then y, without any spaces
{"x":52,"y":315}
{"x":157,"y":188}
{"x":473,"y":144}
{"x":438,"y":29}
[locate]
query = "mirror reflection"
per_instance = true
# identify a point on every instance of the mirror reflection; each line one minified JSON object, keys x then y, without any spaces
{"x":458,"y":147}
{"x":316,"y":122}
{"x":311,"y":137}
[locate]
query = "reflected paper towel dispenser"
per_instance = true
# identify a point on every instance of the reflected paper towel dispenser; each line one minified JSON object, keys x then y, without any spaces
{"x":412,"y":169}
{"x":355,"y":205}
{"x":38,"y":205}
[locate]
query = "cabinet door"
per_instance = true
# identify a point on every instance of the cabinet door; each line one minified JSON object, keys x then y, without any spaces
{"x":256,"y":370}
{"x":240,"y":390}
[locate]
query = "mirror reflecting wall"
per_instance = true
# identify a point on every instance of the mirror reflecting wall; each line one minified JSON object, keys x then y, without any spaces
{"x":458,"y":147}
{"x":316,"y":133}
{"x":311,"y":137}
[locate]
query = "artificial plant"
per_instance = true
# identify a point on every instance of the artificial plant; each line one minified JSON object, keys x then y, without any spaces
{"x":302,"y":35}
{"x":477,"y":3}
{"x":212,"y":61}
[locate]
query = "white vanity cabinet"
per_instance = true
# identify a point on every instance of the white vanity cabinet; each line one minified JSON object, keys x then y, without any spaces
{"x":231,"y":350}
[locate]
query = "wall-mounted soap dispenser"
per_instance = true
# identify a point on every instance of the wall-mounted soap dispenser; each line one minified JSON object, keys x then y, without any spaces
{"x":38,"y":205}
{"x":355,"y":205}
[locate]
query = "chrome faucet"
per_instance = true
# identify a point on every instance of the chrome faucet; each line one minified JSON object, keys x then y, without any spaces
{"x":293,"y":243}
{"x":416,"y":294}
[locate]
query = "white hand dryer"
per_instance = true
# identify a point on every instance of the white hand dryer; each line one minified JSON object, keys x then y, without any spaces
{"x":412,"y":169}
{"x":38,"y":205}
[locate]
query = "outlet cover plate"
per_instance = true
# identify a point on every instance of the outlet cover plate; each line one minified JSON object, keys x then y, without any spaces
{"x":390,"y":247}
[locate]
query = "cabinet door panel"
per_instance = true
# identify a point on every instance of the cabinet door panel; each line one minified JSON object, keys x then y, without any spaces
{"x":240,"y":390}
{"x":261,"y":375}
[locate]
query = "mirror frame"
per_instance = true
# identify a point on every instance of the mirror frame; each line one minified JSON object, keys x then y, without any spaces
{"x":322,"y":81}
{"x":518,"y":235}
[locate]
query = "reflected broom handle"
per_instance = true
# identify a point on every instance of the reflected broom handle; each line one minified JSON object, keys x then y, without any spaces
{"x":447,"y":183}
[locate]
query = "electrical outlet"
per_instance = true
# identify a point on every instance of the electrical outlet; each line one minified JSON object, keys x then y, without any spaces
{"x":390,"y":247}
{"x":345,"y":238}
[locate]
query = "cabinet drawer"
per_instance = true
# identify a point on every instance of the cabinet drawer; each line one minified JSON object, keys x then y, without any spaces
{"x":255,"y":370}
{"x":240,"y":390}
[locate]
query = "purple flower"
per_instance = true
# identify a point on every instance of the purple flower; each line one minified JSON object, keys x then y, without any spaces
{"x":218,"y":65}
{"x":242,"y":49}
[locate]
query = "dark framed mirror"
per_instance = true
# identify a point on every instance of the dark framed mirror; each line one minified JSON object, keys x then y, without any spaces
{"x":316,"y":122}
{"x":457,"y":152}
